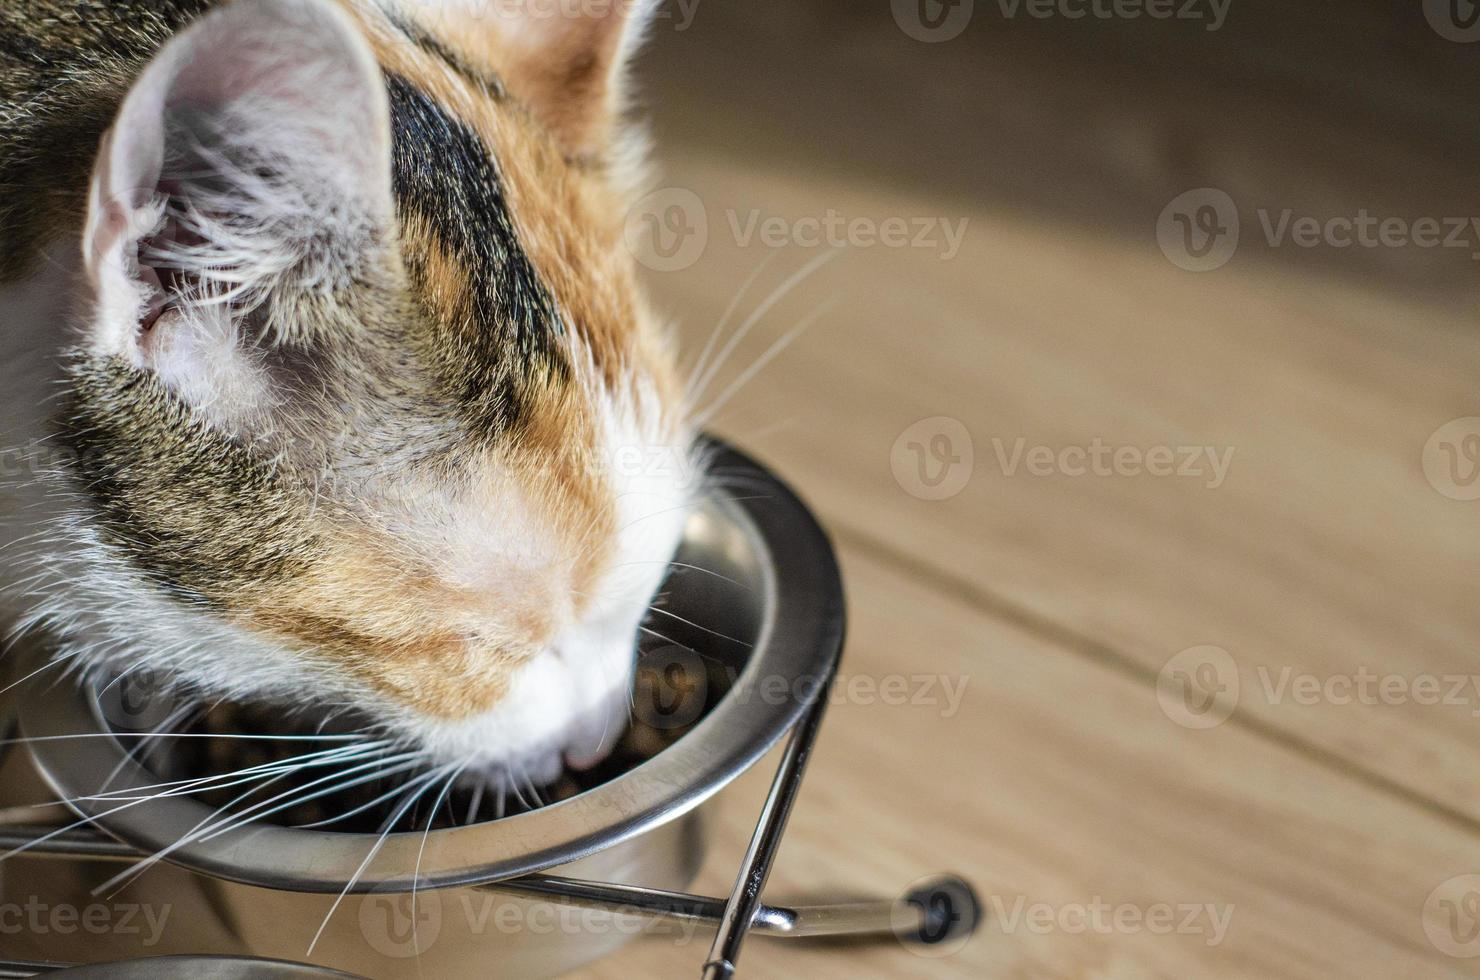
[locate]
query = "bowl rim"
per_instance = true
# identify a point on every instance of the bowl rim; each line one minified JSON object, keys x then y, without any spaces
{"x":196,"y":967}
{"x":802,"y":625}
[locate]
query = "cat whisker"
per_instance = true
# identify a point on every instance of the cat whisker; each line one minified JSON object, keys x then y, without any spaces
{"x":534,"y":790}
{"x":724,"y":320}
{"x":514,"y":785}
{"x":474,"y":803}
{"x":247,"y":736}
{"x":396,"y":791}
{"x":426,"y":782}
{"x":139,"y":752}
{"x":669,"y":510}
{"x":682,"y":646}
{"x":705,"y":417}
{"x":183,"y":787}
{"x":694,"y":568}
{"x":420,"y":851}
{"x":71,"y":826}
{"x":86,"y":820}
{"x":402,"y":763}
{"x":690,"y":622}
{"x":54,"y":661}
{"x":740,"y":334}
{"x":211,"y":827}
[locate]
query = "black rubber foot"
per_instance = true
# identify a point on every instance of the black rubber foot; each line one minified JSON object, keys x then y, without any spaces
{"x":952,"y":910}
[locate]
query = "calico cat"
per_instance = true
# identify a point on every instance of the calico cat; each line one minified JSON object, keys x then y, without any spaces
{"x":320,"y":344}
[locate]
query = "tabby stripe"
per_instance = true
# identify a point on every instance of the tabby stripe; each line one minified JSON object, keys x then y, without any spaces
{"x":447,"y":180}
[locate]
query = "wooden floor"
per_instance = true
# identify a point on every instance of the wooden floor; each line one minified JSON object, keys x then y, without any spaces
{"x":1324,"y":586}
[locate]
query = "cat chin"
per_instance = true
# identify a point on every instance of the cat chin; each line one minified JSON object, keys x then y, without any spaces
{"x":566,"y":708}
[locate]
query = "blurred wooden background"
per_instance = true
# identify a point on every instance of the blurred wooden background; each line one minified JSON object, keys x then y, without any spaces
{"x":1332,"y":838}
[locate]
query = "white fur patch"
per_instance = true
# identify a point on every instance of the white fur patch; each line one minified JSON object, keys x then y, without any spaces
{"x":572,"y":701}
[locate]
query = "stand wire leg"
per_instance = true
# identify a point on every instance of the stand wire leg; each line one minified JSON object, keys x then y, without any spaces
{"x":745,"y":899}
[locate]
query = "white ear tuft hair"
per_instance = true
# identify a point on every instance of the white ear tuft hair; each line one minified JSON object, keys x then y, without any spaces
{"x":251,"y":155}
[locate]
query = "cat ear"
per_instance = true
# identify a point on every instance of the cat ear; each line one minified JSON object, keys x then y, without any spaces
{"x":568,"y":62}
{"x":251,"y":156}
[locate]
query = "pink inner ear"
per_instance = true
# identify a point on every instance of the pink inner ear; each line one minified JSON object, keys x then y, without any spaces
{"x":285,"y":72}
{"x":167,"y":281}
{"x":286,"y":90}
{"x":311,"y":83}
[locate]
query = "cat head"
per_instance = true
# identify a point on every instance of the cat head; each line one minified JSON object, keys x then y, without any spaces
{"x":369,"y":409}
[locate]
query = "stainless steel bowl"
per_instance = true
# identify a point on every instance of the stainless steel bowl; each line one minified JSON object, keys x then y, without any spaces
{"x":754,"y":567}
